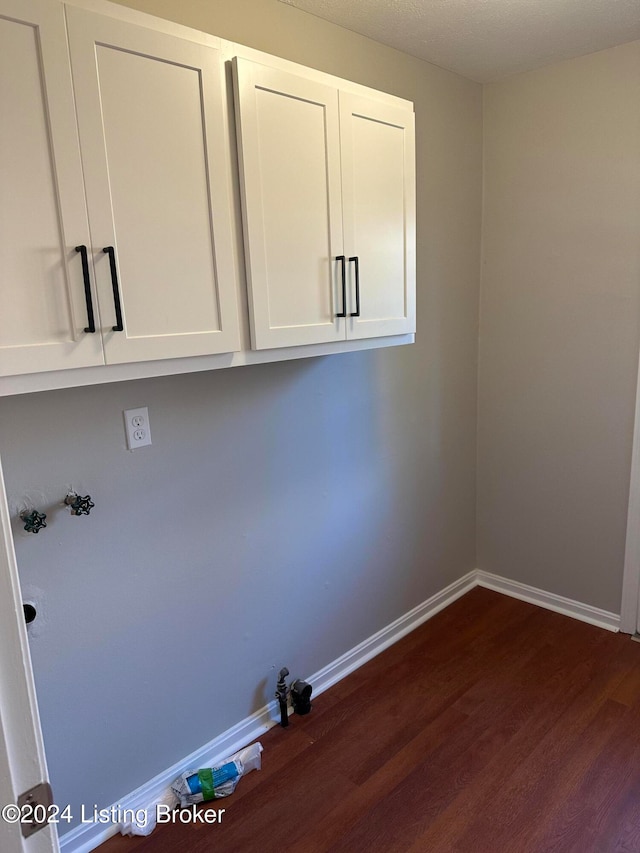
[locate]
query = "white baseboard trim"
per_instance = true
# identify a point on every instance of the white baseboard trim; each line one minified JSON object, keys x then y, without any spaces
{"x":84,"y":838}
{"x":550,"y":601}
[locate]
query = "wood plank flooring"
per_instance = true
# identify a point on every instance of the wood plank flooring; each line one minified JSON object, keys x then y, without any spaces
{"x":496,"y":727}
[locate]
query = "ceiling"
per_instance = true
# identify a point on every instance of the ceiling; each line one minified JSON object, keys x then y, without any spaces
{"x":486,"y":39}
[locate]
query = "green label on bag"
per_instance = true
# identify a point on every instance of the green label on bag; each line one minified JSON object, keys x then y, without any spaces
{"x":206,"y":784}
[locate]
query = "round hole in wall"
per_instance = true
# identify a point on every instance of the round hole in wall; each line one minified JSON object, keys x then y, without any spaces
{"x":30,"y":613}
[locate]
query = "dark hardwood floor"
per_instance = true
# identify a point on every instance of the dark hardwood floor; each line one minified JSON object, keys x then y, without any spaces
{"x":496,"y":727}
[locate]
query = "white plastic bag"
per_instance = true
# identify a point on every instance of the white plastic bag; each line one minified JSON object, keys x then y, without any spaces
{"x":211,"y":783}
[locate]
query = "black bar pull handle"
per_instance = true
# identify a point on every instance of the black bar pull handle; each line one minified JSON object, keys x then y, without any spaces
{"x":343,"y":261}
{"x":87,"y":289}
{"x":356,"y":313}
{"x":109,"y":250}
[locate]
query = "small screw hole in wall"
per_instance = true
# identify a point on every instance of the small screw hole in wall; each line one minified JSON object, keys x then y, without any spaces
{"x":29,"y":613}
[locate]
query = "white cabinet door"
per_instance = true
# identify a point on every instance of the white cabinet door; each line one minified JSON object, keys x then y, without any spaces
{"x":43,"y":311}
{"x":289,"y":148}
{"x":378,"y":197}
{"x":151,"y":121}
{"x":325,"y":174}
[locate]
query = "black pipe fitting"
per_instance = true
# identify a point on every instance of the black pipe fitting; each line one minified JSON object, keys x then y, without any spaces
{"x":281,"y":696}
{"x":301,"y":696}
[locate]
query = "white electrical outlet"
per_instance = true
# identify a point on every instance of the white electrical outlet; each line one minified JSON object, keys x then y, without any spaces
{"x":136,"y":422}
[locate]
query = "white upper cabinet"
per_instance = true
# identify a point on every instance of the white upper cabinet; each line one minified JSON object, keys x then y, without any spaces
{"x":328,"y":190}
{"x":153,"y":263}
{"x":44,"y":309}
{"x":122,"y":203}
{"x":151,"y":121}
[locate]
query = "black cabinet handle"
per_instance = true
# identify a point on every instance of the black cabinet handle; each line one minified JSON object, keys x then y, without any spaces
{"x":87,"y":288}
{"x":343,"y":260}
{"x":109,"y":250}
{"x":356,"y":313}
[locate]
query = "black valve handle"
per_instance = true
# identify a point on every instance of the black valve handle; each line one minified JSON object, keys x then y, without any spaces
{"x":79,"y":505}
{"x":356,"y":313}
{"x":87,"y":289}
{"x":33,"y":521}
{"x":109,"y":250}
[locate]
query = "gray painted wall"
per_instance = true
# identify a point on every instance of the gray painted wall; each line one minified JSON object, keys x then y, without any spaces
{"x":285,"y":512}
{"x":559,"y":332}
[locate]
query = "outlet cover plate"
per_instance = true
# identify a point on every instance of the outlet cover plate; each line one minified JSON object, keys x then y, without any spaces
{"x":136,"y":422}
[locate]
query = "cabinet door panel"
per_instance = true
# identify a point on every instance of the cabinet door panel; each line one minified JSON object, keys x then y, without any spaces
{"x":289,"y":152}
{"x":378,"y":191}
{"x":151,"y":126}
{"x":43,"y":216}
